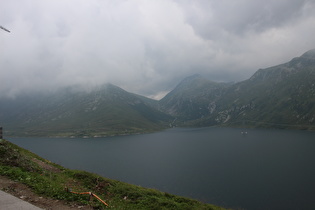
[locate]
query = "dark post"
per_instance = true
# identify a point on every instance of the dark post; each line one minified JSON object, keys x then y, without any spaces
{"x":0,"y":132}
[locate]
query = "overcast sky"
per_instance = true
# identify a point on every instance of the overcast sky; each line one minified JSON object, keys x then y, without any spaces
{"x":146,"y":46}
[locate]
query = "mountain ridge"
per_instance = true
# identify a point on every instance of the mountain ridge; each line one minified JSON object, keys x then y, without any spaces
{"x":107,"y":110}
{"x":194,"y":91}
{"x":281,"y":96}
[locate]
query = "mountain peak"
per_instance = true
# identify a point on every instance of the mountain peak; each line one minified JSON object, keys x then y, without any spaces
{"x":191,"y":81}
{"x":192,"y":77}
{"x":282,"y":71}
{"x":309,"y":54}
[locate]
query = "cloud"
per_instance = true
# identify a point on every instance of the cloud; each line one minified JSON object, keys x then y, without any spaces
{"x":211,"y":18}
{"x":146,"y":47}
{"x":248,"y":35}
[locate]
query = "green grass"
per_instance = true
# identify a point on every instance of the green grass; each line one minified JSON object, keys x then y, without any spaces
{"x":51,"y":180}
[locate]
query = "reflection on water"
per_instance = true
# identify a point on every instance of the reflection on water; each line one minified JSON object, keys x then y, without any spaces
{"x":249,"y":169}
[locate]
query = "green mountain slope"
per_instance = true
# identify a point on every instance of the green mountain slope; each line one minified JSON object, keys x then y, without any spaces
{"x":193,"y":98}
{"x":279,"y":96}
{"x":282,"y":96}
{"x":107,"y":110}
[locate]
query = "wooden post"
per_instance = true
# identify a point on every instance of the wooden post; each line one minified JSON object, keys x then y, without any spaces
{"x":1,"y":133}
{"x":91,"y":196}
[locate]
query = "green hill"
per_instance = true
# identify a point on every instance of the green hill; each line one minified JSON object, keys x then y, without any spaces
{"x":53,"y":181}
{"x":192,"y":98}
{"x":107,"y":110}
{"x":282,"y":96}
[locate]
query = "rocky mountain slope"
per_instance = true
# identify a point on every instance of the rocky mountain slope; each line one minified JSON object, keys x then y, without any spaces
{"x":193,"y":98}
{"x":282,"y":96}
{"x":107,"y":110}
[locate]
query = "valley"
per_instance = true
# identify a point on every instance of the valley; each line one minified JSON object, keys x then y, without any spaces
{"x":281,"y":96}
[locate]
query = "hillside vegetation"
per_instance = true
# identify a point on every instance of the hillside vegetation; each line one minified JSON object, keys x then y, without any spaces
{"x":281,"y":96}
{"x":104,"y":111}
{"x":51,"y":180}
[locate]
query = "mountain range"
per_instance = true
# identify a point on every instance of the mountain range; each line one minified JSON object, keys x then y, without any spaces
{"x":106,"y":110}
{"x":281,"y":96}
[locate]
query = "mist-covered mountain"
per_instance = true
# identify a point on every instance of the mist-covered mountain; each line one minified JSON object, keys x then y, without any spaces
{"x":193,"y":98}
{"x":279,"y":96}
{"x":282,"y":96}
{"x":107,"y":110}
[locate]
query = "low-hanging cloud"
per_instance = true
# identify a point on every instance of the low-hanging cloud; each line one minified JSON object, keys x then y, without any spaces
{"x":146,"y":47}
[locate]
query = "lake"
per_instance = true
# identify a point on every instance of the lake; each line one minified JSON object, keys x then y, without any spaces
{"x":260,"y":169}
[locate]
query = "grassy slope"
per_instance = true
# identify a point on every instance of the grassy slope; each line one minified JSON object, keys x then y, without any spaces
{"x":50,"y":180}
{"x":105,"y":111}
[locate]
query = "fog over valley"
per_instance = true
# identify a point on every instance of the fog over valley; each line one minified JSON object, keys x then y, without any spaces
{"x":146,"y":47}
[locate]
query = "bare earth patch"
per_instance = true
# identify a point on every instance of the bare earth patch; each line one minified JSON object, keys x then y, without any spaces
{"x":46,"y":166}
{"x":23,"y":192}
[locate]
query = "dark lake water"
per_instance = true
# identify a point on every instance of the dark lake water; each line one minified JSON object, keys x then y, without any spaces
{"x":263,"y":169}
